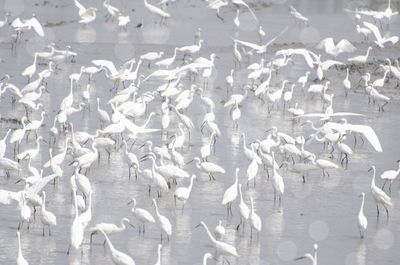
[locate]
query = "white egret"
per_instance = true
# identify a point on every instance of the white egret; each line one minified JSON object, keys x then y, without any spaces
{"x":221,"y":248}
{"x":219,"y":230}
{"x":390,"y":175}
{"x":118,"y":257}
{"x":361,"y":58}
{"x":231,"y":193}
{"x":243,"y":209}
{"x":183,"y":193}
{"x":163,"y":222}
{"x":109,"y":228}
{"x":47,"y":218}
{"x":209,"y":168}
{"x":277,"y":181}
{"x":362,"y":220}
{"x":142,"y":215}
{"x":156,"y":10}
{"x":380,"y":41}
{"x":379,"y":195}
{"x":332,"y":49}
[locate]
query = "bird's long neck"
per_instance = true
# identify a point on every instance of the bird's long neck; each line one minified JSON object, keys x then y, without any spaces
{"x":398,"y":169}
{"x":19,"y":245}
{"x":362,"y":205}
{"x":240,"y":194}
{"x":315,"y":257}
{"x":209,"y":234}
{"x":366,"y":56}
{"x":110,"y":245}
{"x":44,"y":202}
{"x":156,"y":207}
{"x":373,"y":178}
{"x":191,"y":184}
{"x":122,"y":225}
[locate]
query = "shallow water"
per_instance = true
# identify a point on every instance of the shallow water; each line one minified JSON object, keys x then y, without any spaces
{"x":323,"y":210}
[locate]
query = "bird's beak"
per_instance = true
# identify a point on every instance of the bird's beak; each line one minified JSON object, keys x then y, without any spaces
{"x":143,"y":158}
{"x":142,"y":146}
{"x":360,"y":195}
{"x":369,"y":169}
{"x":132,"y":225}
{"x":129,"y":202}
{"x":187,"y":163}
{"x":197,"y":225}
{"x":18,"y":181}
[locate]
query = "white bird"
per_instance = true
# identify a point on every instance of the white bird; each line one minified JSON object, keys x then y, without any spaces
{"x":27,"y":24}
{"x":310,"y":257}
{"x":363,"y":31}
{"x":231,"y":193}
{"x":77,"y":228}
{"x":221,"y":248}
{"x":123,"y":21}
{"x":20,"y":259}
{"x":255,"y":220}
{"x":277,"y":181}
{"x":142,"y":215}
{"x":118,"y":257}
{"x":219,"y":230}
{"x":243,"y":209}
{"x":323,"y":164}
{"x":346,"y":82}
{"x":332,"y":49}
{"x":381,"y":81}
{"x":380,"y":41}
{"x":361,"y":58}
{"x":47,"y":218}
{"x":156,"y":10}
{"x":112,"y":10}
{"x":390,"y":175}
{"x":183,"y":193}
{"x":191,"y":49}
{"x":108,"y":228}
{"x":31,"y":153}
{"x":379,"y":195}
{"x":163,"y":221}
{"x":362,"y":220}
{"x":303,"y":79}
{"x":209,"y":168}
{"x":31,"y":69}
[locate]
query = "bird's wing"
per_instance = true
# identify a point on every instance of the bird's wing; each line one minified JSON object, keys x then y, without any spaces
{"x":374,"y":30}
{"x":368,"y":133}
{"x":306,"y":54}
{"x":39,"y":185}
{"x":328,"y":63}
{"x":36,"y":26}
{"x":17,"y":23}
{"x":241,"y":2}
{"x":345,"y":114}
{"x":346,"y":46}
{"x":249,"y":44}
{"x":313,"y":115}
{"x":108,"y":64}
{"x":326,"y":44}
{"x":393,"y":39}
{"x":277,"y":36}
